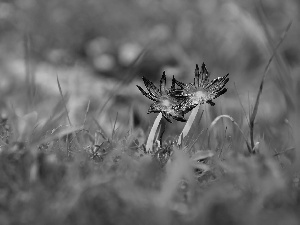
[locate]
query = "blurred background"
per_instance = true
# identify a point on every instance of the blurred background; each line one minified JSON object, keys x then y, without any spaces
{"x":100,"y":49}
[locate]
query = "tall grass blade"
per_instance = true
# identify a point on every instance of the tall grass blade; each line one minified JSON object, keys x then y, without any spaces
{"x":57,"y":114}
{"x":188,"y":148}
{"x":214,"y":122}
{"x":284,"y":80}
{"x":62,"y":97}
{"x":254,"y":113}
{"x":100,"y":129}
{"x":67,"y":112}
{"x":29,"y":74}
{"x":114,"y":127}
{"x":244,"y":111}
{"x":255,"y":109}
{"x":86,"y":112}
{"x":65,"y":132}
{"x":130,"y":75}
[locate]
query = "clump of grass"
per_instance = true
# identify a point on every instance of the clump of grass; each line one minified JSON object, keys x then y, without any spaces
{"x":57,"y":173}
{"x":47,"y":185}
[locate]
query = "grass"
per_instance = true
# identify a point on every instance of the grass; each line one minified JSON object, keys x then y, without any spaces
{"x":52,"y":172}
{"x":55,"y":173}
{"x":43,"y":183}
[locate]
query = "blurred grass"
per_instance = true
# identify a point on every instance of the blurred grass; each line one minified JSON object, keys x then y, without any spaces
{"x":55,"y":173}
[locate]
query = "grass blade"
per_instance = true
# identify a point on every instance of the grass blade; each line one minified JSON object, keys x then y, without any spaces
{"x":61,"y":94}
{"x":235,"y":123}
{"x":255,"y":109}
{"x":284,"y":79}
{"x":59,"y":134}
{"x":100,"y":129}
{"x":86,"y":112}
{"x":57,"y":114}
{"x":29,"y":73}
{"x":118,"y":87}
{"x":244,"y":111}
{"x":65,"y":105}
{"x":114,"y":127}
